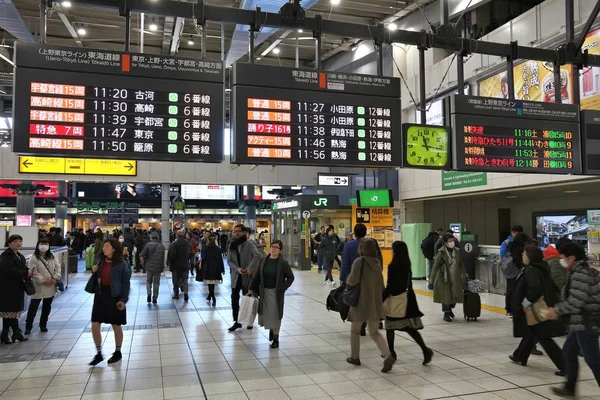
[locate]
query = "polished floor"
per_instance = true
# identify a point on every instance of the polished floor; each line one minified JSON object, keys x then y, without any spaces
{"x":177,"y":350}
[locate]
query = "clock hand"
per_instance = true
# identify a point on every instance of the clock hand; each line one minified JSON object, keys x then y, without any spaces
{"x":425,"y":142}
{"x":437,"y":148}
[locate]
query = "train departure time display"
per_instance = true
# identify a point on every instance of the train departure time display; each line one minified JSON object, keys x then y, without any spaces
{"x":500,"y":135}
{"x":88,"y":103}
{"x":302,"y":117}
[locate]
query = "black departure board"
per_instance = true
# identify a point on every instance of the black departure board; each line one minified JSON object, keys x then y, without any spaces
{"x":77,"y":102}
{"x":306,"y":117}
{"x":590,"y":133}
{"x":501,"y":135}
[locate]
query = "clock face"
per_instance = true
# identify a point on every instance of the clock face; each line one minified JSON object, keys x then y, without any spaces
{"x":427,"y":146}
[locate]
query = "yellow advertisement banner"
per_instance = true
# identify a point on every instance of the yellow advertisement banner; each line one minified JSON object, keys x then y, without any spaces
{"x":590,"y":76}
{"x":534,"y":81}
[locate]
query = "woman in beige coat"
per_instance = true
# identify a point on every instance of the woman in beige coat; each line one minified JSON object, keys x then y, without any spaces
{"x":367,"y":271}
{"x":47,"y":274}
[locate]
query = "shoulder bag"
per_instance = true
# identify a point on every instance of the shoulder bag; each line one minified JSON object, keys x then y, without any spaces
{"x":508,"y":267}
{"x":92,"y":284}
{"x":395,"y":306}
{"x":59,"y":283}
{"x":352,"y":292}
{"x":537,"y":312}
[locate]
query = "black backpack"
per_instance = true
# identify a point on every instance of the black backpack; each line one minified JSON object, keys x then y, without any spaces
{"x":427,"y":247}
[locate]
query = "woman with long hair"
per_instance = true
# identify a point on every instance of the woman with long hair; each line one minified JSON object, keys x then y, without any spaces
{"x":272,"y":278}
{"x":13,"y":275}
{"x":212,"y":267}
{"x":112,"y":293}
{"x":47,"y":274}
{"x":398,"y":282}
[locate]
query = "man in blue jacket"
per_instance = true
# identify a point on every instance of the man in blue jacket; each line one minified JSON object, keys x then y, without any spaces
{"x":513,"y":233}
{"x":350,"y":253}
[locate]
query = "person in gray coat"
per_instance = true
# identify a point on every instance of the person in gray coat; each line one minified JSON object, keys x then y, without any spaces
{"x":153,"y":261}
{"x":329,"y":244}
{"x":179,"y":262}
{"x":242,"y":257}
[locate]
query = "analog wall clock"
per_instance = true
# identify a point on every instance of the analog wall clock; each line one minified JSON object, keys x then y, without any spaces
{"x":427,"y":146}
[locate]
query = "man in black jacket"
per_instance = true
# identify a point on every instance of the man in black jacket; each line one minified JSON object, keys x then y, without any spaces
{"x":178,"y":260}
{"x":129,"y":244}
{"x":57,"y":240}
{"x":427,"y":247}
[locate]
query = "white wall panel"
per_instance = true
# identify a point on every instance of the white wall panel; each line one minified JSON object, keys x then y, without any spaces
{"x":524,"y":28}
{"x":552,"y":18}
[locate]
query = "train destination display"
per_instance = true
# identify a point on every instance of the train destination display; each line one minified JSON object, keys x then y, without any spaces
{"x":302,"y":117}
{"x":77,"y":102}
{"x":501,"y":135}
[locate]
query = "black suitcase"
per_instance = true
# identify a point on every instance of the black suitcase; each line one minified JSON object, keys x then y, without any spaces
{"x":472,"y":306}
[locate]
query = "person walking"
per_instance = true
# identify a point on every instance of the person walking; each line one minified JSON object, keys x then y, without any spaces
{"x":320,"y":253}
{"x":399,"y":280}
{"x":193,"y":251}
{"x":532,"y":284}
{"x":111,"y":294}
{"x":13,"y":275}
{"x":427,"y":248}
{"x":552,"y":257}
{"x":515,"y":250}
{"x":242,"y":258}
{"x":329,"y":244}
{"x":47,"y":270}
{"x":153,"y":261}
{"x":178,"y":259}
{"x":212,"y":267}
{"x":367,"y":272}
{"x":270,"y":281}
{"x":448,"y":275}
{"x":580,"y":303}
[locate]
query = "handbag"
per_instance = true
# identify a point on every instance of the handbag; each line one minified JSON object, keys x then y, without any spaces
{"x":29,"y":286}
{"x":537,"y":312}
{"x":248,"y":310}
{"x":60,"y":286}
{"x":395,"y":306}
{"x":352,"y":292}
{"x":508,"y":267}
{"x":92,"y":284}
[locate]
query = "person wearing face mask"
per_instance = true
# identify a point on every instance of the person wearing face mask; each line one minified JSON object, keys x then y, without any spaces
{"x":580,"y":304}
{"x":47,"y":274}
{"x":448,"y":275}
{"x":552,"y":257}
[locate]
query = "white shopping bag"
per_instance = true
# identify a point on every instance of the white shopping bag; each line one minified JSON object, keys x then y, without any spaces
{"x":248,"y":310}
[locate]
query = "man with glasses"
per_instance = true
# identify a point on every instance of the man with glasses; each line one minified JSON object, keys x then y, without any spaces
{"x":242,"y":257}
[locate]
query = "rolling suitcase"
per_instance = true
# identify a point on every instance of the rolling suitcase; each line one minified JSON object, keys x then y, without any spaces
{"x":472,"y":306}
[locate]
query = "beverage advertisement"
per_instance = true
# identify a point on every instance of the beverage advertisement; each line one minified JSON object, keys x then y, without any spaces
{"x":589,"y":79}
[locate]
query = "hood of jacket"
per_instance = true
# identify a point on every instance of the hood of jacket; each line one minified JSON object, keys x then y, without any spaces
{"x":433,"y":234}
{"x":372,"y":263}
{"x":551,"y":252}
{"x":154,"y":237}
{"x":542,"y":266}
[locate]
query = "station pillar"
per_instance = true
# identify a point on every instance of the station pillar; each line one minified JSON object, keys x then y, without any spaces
{"x":251,"y":209}
{"x":165,"y":215}
{"x":25,"y":203}
{"x":62,"y":207}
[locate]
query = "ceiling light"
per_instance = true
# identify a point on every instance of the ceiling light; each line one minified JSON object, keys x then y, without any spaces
{"x":81,"y":31}
{"x":191,"y":42}
{"x":276,"y":50}
{"x":66,"y":4}
{"x":571,"y":191}
{"x":511,"y":196}
{"x":335,"y":2}
{"x":153,"y":27}
{"x":258,"y":58}
{"x":392,"y":26}
{"x":5,"y":145}
{"x":300,"y":30}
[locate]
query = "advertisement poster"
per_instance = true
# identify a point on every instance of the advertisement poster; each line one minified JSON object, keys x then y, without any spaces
{"x":121,"y":191}
{"x":460,"y":180}
{"x":589,"y":80}
{"x":51,"y":193}
{"x":534,"y":81}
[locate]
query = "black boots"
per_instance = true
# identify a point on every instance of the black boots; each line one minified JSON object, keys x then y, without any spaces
{"x":97,"y":359}
{"x":275,"y":343}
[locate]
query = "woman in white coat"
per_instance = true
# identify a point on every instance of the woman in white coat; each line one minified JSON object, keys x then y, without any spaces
{"x":48,"y":273}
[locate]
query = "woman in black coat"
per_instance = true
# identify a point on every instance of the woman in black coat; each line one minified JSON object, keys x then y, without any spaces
{"x":398,"y":282}
{"x":212,"y":267}
{"x":534,"y":282}
{"x":13,"y":274}
{"x":515,"y":249}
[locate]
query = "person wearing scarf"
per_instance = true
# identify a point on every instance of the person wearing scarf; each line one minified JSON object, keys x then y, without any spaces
{"x":448,"y":275}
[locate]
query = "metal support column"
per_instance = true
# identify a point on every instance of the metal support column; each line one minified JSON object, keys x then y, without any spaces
{"x":165,"y":202}
{"x":379,"y":47}
{"x":251,"y":45}
{"x":251,"y":209}
{"x":203,"y":39}
{"x":570,"y":39}
{"x":510,"y":78}
{"x":319,"y":42}
{"x":43,"y":22}
{"x":128,"y":31}
{"x":62,"y":206}
{"x":223,"y":42}
{"x":557,"y":86}
{"x":460,"y":74}
{"x":422,"y":99}
{"x":25,"y":203}
{"x":297,"y":50}
{"x":142,"y":32}
{"x":444,"y":13}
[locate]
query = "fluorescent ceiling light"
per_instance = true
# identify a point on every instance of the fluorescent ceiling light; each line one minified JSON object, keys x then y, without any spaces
{"x":191,"y":42}
{"x":258,"y":58}
{"x":276,"y":50}
{"x":335,"y":2}
{"x":81,"y":31}
{"x":5,"y":145}
{"x":66,"y":4}
{"x":571,"y":191}
{"x":392,"y":26}
{"x":300,"y":30}
{"x":153,"y":27}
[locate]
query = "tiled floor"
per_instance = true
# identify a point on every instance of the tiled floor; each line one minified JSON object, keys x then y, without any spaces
{"x":176,"y":350}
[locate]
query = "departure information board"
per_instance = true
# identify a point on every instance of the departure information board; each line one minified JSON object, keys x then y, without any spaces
{"x":500,"y":135}
{"x":304,"y":117}
{"x":77,"y":102}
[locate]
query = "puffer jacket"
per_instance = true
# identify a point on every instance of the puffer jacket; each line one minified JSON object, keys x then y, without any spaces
{"x":153,"y":256}
{"x":581,"y":299}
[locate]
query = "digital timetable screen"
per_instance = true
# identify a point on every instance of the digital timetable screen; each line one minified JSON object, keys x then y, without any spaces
{"x":500,"y":135}
{"x":94,"y":103}
{"x":301,"y":117}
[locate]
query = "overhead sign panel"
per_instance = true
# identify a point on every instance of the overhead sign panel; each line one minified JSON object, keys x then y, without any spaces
{"x":77,"y":166}
{"x":304,"y":117}
{"x":498,"y":135}
{"x":333,"y":180}
{"x":590,"y":125}
{"x":208,"y":192}
{"x":83,"y":103}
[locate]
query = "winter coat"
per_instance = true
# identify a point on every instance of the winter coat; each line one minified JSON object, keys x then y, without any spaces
{"x":13,"y":270}
{"x":44,"y":275}
{"x":179,"y":255}
{"x":535,"y":281}
{"x":440,"y":243}
{"x":212,"y":264}
{"x":242,"y":254}
{"x":398,"y":283}
{"x":153,"y":255}
{"x":329,"y":245}
{"x":444,"y":291}
{"x":557,"y":271}
{"x":504,"y":246}
{"x":285,"y":278}
{"x":370,"y":301}
{"x":580,"y":300}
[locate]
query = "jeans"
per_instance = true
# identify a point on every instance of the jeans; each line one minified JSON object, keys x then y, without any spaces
{"x":527,"y":344}
{"x":429,"y":269}
{"x":153,"y":283}
{"x":373,"y":327}
{"x":320,"y":259}
{"x":328,"y":267}
{"x":180,"y":281}
{"x":588,"y":344}
{"x":33,"y":307}
{"x":235,"y":297}
{"x":446,"y":308}
{"x":192,"y":261}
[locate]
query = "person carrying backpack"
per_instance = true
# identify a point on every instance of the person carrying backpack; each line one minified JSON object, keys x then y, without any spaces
{"x":427,"y":247}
